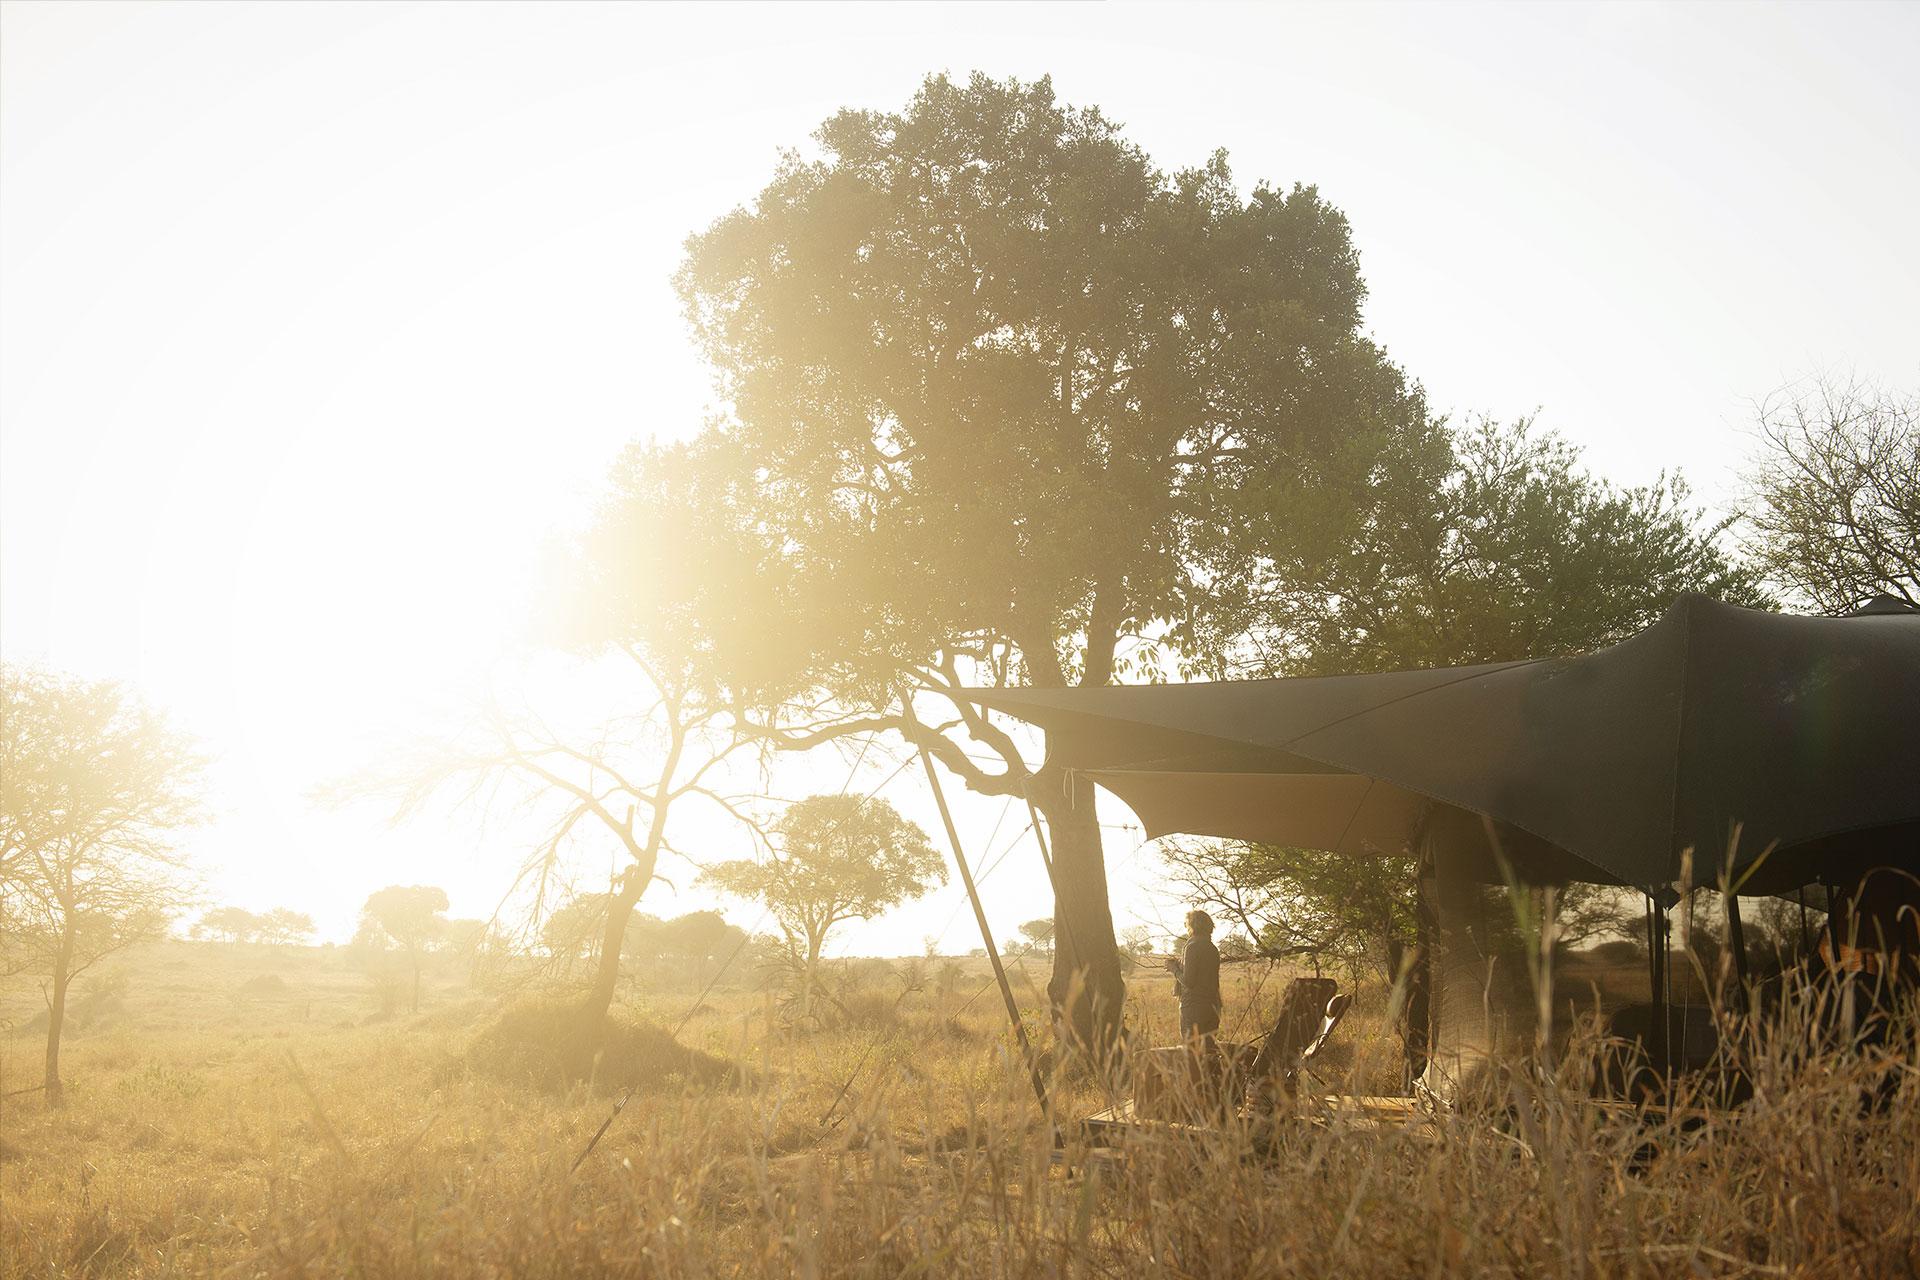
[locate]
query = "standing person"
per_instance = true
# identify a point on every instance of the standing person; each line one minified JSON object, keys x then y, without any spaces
{"x":1196,"y":980}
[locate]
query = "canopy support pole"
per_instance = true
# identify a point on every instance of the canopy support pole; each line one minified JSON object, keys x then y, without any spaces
{"x":1046,"y":854}
{"x":1737,"y":939}
{"x":1833,"y":927}
{"x":986,"y":933}
{"x":1657,"y":934}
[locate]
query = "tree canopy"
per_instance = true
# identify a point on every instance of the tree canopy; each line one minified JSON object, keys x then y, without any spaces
{"x":1833,"y":497}
{"x":412,"y":916}
{"x":95,"y":789}
{"x":834,"y":858}
{"x":1489,"y":543}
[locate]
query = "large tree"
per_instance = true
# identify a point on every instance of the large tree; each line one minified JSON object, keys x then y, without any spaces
{"x":94,"y":791}
{"x":1833,"y":496}
{"x":1004,"y":401}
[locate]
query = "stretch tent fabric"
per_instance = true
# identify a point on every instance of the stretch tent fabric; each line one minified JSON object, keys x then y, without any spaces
{"x":1779,"y":748}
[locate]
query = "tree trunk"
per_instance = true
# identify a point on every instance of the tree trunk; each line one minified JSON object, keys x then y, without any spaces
{"x":815,"y":943}
{"x":57,"y":1013}
{"x":593,"y":1013}
{"x":1086,"y":990}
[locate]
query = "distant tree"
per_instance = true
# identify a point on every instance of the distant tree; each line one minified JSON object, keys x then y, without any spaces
{"x":287,"y":927}
{"x":1334,"y":906}
{"x":230,"y":924}
{"x":1299,"y":901}
{"x":1238,"y":946}
{"x":1137,"y":940}
{"x":411,"y":917}
{"x":699,"y":936}
{"x":575,"y":929}
{"x":94,"y":791}
{"x":1039,"y":934}
{"x":1833,"y":498}
{"x":464,"y":937}
{"x":834,"y":858}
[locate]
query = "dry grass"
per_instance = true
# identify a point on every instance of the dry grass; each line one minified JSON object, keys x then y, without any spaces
{"x":252,"y":1135}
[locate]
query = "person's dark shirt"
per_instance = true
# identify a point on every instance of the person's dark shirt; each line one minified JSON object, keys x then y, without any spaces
{"x":1200,"y":976}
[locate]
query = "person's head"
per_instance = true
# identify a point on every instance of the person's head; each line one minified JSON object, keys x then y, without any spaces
{"x":1199,"y":924}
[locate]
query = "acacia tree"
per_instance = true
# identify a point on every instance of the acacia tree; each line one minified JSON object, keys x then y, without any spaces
{"x":94,"y":790}
{"x":1000,"y":394}
{"x":834,"y":858}
{"x":1833,"y":498}
{"x":637,"y":778}
{"x":1039,"y":934}
{"x":234,"y":924}
{"x":412,"y":917}
{"x":285,"y":926}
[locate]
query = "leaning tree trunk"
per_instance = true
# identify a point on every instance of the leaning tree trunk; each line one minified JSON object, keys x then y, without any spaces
{"x":57,"y":1015}
{"x":1086,"y":990}
{"x":593,"y":1012}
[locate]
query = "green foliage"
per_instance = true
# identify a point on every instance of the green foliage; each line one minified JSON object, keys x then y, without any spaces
{"x":1000,"y":382}
{"x":1483,"y":545}
{"x":1299,"y":901}
{"x":1486,"y":544}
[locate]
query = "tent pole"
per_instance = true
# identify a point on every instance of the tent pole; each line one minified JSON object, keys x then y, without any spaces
{"x":1737,"y":939}
{"x":1046,"y":854}
{"x":1833,"y":927}
{"x":1657,"y":1048}
{"x":986,"y":934}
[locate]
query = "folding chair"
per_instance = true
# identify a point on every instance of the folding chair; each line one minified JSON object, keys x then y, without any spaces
{"x":1310,"y":1009}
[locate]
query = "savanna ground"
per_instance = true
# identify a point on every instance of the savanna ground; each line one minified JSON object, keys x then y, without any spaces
{"x":254,"y":1111}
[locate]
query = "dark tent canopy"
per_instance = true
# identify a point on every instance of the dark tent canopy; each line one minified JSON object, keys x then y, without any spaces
{"x":1716,"y":730}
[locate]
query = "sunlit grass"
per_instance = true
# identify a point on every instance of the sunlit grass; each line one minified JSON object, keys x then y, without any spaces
{"x":283,"y":1137}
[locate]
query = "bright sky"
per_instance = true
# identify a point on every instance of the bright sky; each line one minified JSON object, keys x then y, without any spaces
{"x":315,"y":321}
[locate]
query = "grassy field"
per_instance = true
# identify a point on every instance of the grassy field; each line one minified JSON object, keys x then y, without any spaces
{"x":252,"y":1111}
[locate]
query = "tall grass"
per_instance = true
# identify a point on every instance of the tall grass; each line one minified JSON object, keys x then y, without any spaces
{"x":382,"y":1151}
